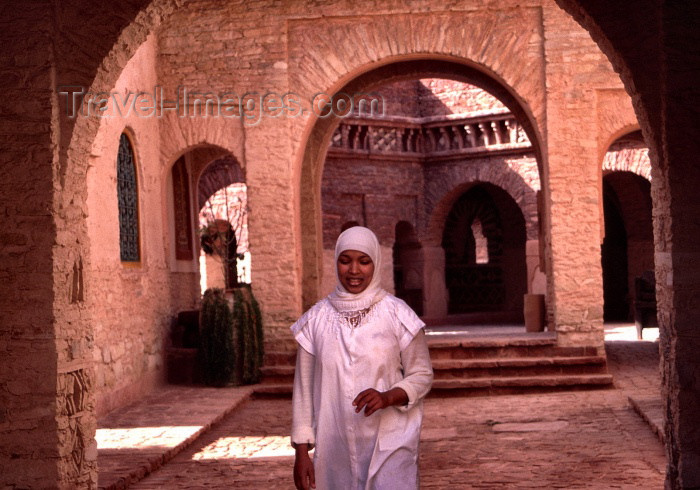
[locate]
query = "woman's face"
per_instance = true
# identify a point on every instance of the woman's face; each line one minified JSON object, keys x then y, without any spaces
{"x":355,"y":270}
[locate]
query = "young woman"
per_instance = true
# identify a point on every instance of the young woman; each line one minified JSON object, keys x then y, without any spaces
{"x":363,"y":369}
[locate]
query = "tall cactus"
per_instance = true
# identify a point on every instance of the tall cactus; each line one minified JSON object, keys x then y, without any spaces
{"x":248,"y":322}
{"x":231,"y":342}
{"x":217,"y":349}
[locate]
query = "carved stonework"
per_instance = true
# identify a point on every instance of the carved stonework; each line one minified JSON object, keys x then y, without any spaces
{"x":411,"y":136}
{"x":78,"y":447}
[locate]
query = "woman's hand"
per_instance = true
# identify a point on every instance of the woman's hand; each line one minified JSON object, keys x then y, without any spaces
{"x":372,"y":400}
{"x":304,"y":475}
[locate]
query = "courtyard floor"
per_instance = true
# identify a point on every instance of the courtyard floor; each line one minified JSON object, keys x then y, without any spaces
{"x":581,"y":439}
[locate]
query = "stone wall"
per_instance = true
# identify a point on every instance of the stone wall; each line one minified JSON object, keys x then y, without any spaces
{"x":376,"y":193}
{"x":32,"y":433}
{"x":441,"y":97}
{"x":436,"y":97}
{"x":132,"y":303}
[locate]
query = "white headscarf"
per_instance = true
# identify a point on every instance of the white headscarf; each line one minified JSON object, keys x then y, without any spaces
{"x":363,"y":240}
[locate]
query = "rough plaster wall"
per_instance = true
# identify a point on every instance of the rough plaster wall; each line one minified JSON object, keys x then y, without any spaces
{"x":131,"y":303}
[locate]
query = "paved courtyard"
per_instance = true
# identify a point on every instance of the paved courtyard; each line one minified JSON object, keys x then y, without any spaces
{"x":584,"y":439}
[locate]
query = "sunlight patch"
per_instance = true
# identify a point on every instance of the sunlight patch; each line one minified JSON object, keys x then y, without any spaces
{"x":140,"y":437}
{"x":246,"y":447}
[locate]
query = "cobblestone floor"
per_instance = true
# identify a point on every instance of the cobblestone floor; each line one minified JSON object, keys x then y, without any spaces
{"x":572,"y":440}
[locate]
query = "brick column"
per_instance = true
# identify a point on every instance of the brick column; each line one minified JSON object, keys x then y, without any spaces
{"x":570,"y":185}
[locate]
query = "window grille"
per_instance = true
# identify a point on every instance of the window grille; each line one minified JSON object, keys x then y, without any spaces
{"x":127,"y":194}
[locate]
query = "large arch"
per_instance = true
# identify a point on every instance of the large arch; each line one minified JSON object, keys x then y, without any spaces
{"x":322,"y":129}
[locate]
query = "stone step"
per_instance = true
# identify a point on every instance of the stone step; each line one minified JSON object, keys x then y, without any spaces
{"x":496,"y":348}
{"x":485,"y":386}
{"x":482,"y":367}
{"x":518,"y":366}
{"x":277,"y":374}
{"x":273,"y":389}
{"x":280,"y":358}
{"x":496,"y":385}
{"x":471,"y":349}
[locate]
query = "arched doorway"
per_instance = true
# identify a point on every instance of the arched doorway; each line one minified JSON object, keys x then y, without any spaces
{"x":627,"y":251}
{"x":394,"y":164}
{"x":484,"y":242}
{"x":616,"y":304}
{"x":223,"y":225}
{"x":508,"y":134}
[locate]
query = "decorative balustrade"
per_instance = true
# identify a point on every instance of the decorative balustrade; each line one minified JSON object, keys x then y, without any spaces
{"x":446,"y":137}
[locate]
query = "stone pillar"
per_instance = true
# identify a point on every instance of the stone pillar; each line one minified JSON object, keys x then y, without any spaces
{"x":29,"y":410}
{"x":434,"y":290}
{"x":676,"y":235}
{"x":571,"y":185}
{"x":275,"y":275}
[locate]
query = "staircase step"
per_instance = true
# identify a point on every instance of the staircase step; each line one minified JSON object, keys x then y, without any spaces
{"x":525,"y":382}
{"x":447,"y":341}
{"x":518,"y":366}
{"x":455,"y":349}
{"x":273,"y":389}
{"x":484,"y":386}
{"x":277,"y":374}
{"x":277,"y":358}
{"x":514,"y":362}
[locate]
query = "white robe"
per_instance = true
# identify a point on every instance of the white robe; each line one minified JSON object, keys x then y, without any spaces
{"x":385,"y":351}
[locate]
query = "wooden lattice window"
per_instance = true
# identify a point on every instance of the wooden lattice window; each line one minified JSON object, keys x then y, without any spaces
{"x":127,"y":195}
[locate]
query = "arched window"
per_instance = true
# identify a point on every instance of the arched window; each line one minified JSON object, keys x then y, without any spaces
{"x":127,"y":195}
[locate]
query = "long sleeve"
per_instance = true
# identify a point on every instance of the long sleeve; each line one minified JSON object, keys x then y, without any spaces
{"x":417,"y":370}
{"x":302,"y":399}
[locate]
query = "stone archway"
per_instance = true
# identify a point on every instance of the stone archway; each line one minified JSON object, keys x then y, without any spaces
{"x":317,"y":142}
{"x":222,"y":202}
{"x":491,"y":282}
{"x":628,"y":248}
